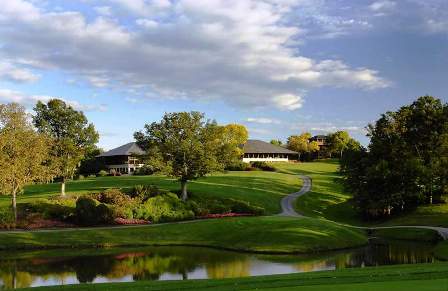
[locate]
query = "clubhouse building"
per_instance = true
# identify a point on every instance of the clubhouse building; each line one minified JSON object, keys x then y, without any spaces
{"x":260,"y":151}
{"x":124,"y":159}
{"x":127,"y":158}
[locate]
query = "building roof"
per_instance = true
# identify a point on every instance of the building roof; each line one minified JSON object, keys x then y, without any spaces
{"x":253,"y":146}
{"x":125,"y":150}
{"x":319,"y":137}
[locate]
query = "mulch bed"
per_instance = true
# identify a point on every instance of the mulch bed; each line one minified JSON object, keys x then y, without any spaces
{"x":47,"y":223}
{"x":123,"y":221}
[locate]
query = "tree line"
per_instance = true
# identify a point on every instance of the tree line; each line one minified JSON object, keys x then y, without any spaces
{"x":406,"y":163}
{"x":336,"y":144}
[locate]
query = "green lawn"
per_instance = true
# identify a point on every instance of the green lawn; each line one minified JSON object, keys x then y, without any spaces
{"x":270,"y":234}
{"x":327,"y":198}
{"x":426,"y":277}
{"x":263,"y":189}
{"x":413,"y":234}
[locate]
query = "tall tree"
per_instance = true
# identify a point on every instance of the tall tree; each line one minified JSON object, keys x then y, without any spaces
{"x":191,"y":147}
{"x":72,"y":135}
{"x":24,"y":153}
{"x":339,"y":142}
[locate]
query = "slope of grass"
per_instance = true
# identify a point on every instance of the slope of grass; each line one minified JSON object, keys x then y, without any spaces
{"x":263,"y":189}
{"x":327,"y":199}
{"x":428,"y":277}
{"x":414,"y":234}
{"x":254,"y":234}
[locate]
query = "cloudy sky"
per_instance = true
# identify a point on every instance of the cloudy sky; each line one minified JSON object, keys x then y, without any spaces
{"x":278,"y":66}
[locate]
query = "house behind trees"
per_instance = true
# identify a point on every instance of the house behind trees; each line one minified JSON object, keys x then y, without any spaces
{"x":124,"y":159}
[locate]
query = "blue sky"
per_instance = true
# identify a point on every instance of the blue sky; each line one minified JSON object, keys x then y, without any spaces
{"x":280,"y":67}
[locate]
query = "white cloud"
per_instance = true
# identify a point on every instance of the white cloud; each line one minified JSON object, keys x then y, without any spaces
{"x":239,"y":51}
{"x":8,"y":96}
{"x":262,"y":120}
{"x":14,"y":73}
{"x":383,"y":5}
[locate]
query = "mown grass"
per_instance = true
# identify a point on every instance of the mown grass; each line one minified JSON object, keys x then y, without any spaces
{"x":427,"y":277}
{"x":253,"y":234}
{"x":327,"y":198}
{"x":413,"y":234}
{"x":264,"y":189}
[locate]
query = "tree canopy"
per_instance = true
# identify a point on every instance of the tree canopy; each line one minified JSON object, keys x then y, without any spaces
{"x":72,"y":135}
{"x":24,"y":153}
{"x":191,"y":147}
{"x":301,"y":144}
{"x":406,"y":162}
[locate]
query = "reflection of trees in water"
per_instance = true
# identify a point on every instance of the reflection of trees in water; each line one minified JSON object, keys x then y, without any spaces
{"x":231,"y":269}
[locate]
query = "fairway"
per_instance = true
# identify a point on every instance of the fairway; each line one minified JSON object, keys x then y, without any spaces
{"x":252,"y":234}
{"x":263,"y":189}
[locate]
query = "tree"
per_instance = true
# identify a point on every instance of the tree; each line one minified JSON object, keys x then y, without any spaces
{"x":301,"y":144}
{"x":339,"y":141}
{"x":72,"y":135}
{"x":24,"y":153}
{"x":191,"y":147}
{"x":276,"y":142}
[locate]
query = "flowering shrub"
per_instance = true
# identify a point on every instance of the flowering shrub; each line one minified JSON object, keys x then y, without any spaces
{"x":123,"y":221}
{"x":222,"y":215}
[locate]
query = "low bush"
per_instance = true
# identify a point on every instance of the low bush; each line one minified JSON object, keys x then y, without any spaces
{"x":263,"y":166}
{"x":104,"y":214}
{"x":113,"y":196}
{"x":80,"y":177}
{"x":6,"y":218}
{"x":239,"y":166}
{"x":162,"y":208}
{"x":62,"y":209}
{"x":86,"y":211}
{"x":102,"y":173}
{"x":144,"y":192}
{"x":144,"y":171}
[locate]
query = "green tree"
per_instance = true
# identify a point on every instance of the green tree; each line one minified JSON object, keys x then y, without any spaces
{"x":24,"y":153}
{"x":191,"y":147}
{"x":339,"y":142}
{"x":72,"y":135}
{"x":276,"y":142}
{"x":301,"y":144}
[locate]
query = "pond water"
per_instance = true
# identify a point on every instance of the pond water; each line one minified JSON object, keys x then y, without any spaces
{"x":41,"y":268}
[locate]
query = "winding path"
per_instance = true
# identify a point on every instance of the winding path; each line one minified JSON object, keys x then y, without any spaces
{"x":288,"y":202}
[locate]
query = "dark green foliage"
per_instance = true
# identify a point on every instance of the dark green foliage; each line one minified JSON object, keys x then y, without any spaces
{"x":113,"y":196}
{"x":263,"y":166}
{"x":162,"y":208}
{"x":144,"y":171}
{"x":86,"y":211}
{"x":6,"y":218}
{"x":237,"y":166}
{"x":62,"y":209}
{"x":407,"y":161}
{"x":104,"y":214}
{"x":144,"y":192}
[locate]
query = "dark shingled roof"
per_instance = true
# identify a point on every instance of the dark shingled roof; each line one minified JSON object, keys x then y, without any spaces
{"x":125,"y":150}
{"x":253,"y":146}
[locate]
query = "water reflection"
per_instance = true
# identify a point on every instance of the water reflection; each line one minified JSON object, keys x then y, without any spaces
{"x":30,"y":269}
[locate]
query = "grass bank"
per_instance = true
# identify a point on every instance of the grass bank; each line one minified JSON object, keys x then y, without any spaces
{"x":424,"y":277}
{"x":252,"y":234}
{"x":413,"y":234}
{"x":264,"y":189}
{"x":327,"y":198}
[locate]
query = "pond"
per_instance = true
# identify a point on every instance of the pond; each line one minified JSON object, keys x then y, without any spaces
{"x":58,"y":267}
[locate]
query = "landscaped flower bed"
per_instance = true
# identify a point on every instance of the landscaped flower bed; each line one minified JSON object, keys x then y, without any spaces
{"x":124,"y":221}
{"x":221,"y":215}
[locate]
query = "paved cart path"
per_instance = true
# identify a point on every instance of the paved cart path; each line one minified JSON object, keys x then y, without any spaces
{"x":288,"y":203}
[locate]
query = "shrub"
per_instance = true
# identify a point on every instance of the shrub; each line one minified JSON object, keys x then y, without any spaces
{"x":144,"y":192}
{"x":165,"y":207}
{"x":6,"y":218}
{"x":263,"y":166}
{"x":102,"y":173}
{"x":113,"y":196}
{"x":239,"y":166}
{"x":86,"y":211}
{"x":104,"y":214}
{"x":80,"y":177}
{"x":59,"y":208}
{"x":144,"y":171}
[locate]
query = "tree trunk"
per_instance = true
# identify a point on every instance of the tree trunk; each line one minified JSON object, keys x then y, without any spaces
{"x":14,"y":205}
{"x":341,"y":154}
{"x":184,"y":190}
{"x":63,"y":187}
